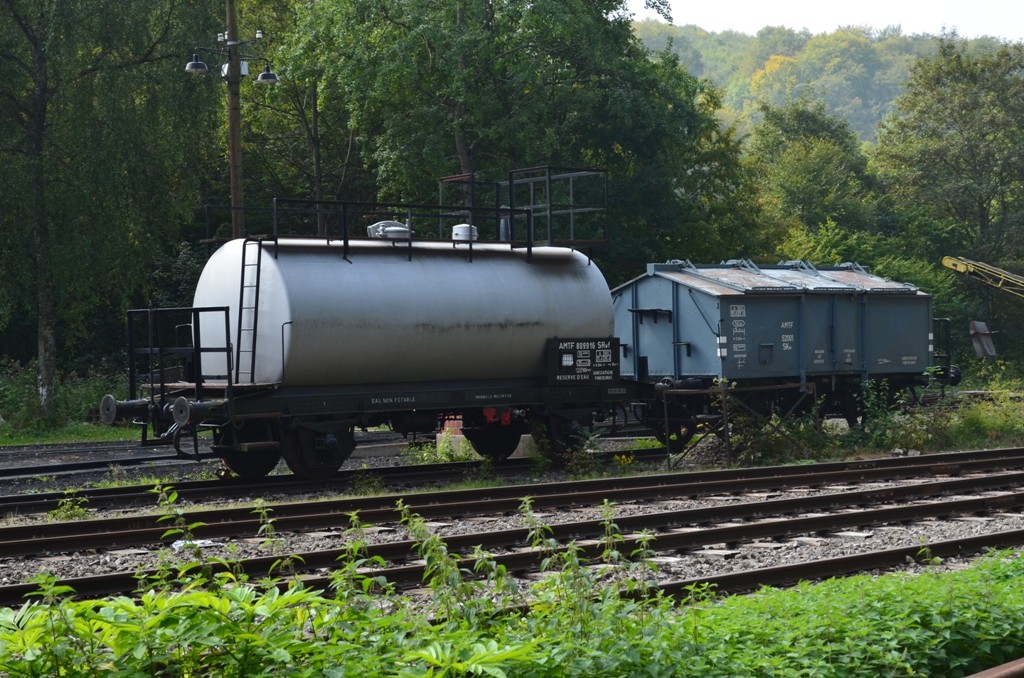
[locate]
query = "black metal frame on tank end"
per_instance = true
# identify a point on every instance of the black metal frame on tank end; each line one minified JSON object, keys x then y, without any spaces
{"x":168,"y":388}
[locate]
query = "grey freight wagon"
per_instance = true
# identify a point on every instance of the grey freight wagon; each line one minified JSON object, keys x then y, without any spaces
{"x":774,"y":338}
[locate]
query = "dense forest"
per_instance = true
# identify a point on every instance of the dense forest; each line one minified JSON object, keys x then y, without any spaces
{"x":857,"y":73}
{"x":880,"y":148}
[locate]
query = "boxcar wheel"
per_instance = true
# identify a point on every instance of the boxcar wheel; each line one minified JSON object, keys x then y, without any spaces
{"x":679,"y":434}
{"x":679,"y":430}
{"x":251,"y":465}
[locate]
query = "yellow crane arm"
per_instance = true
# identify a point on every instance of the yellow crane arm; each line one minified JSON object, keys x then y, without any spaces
{"x":990,"y":275}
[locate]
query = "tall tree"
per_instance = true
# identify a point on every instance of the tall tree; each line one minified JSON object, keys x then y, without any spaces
{"x":809,"y":169}
{"x":954,"y":150}
{"x":297,"y":139}
{"x":439,"y":89}
{"x":92,"y":156}
{"x":955,"y":143}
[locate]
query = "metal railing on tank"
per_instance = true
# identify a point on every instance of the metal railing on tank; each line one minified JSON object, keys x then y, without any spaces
{"x":398,"y":223}
{"x":533,"y":206}
{"x":568,"y":203}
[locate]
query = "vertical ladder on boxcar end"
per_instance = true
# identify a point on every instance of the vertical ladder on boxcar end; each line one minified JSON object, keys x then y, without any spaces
{"x":248,"y":311}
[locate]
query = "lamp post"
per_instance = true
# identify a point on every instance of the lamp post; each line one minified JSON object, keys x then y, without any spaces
{"x":235,"y":67}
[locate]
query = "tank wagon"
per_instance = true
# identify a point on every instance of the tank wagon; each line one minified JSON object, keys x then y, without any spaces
{"x":770,"y":339}
{"x":292,"y":343}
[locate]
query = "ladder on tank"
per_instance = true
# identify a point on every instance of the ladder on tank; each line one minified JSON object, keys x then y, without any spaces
{"x":248,"y":311}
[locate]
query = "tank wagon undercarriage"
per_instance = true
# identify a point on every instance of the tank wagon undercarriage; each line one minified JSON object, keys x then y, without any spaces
{"x":313,"y":427}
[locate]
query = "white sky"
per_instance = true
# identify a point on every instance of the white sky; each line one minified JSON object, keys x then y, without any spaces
{"x":971,"y":18}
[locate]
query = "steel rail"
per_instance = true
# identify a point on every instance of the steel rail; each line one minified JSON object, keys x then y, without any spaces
{"x":739,"y":582}
{"x":93,"y":465}
{"x":197,"y":490}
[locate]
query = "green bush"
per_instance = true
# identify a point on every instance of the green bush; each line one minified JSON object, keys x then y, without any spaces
{"x":956,"y":419}
{"x":575,"y":624}
{"x":19,"y":400}
{"x":442,"y":450}
{"x":928,"y":625}
{"x":799,"y":438}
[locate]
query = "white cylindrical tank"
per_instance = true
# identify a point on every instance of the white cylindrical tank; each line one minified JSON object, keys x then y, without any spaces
{"x":449,"y":313}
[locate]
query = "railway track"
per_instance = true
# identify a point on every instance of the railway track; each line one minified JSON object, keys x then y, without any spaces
{"x":233,"y":488}
{"x":97,"y":465}
{"x":61,"y":459}
{"x":138,"y":530}
{"x":67,"y":462}
{"x":748,"y":479}
{"x":345,"y":481}
{"x":677,"y":531}
{"x":53,"y":460}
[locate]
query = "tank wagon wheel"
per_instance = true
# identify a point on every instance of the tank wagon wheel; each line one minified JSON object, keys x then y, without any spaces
{"x":253,"y":463}
{"x":494,"y":442}
{"x":317,"y":456}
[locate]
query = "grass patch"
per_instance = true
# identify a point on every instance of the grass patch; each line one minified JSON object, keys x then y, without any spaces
{"x":22,"y":421}
{"x":72,"y":432}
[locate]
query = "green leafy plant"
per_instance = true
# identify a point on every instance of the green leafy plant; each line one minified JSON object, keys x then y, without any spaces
{"x":443,"y":450}
{"x":624,"y":461}
{"x":611,"y":540}
{"x":454,"y":595}
{"x":266,"y":530}
{"x":925,"y":555}
{"x":352,"y":580}
{"x":646,"y":444}
{"x":366,"y":483}
{"x":71,"y":507}
{"x":928,"y":624}
{"x":642,"y":568}
{"x":446,"y":658}
{"x":176,"y":516}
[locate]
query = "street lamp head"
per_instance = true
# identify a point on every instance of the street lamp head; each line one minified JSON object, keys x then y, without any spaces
{"x":196,"y":67}
{"x":267,"y":77}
